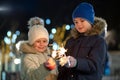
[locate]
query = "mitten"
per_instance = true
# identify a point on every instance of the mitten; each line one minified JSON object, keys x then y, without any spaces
{"x":72,"y":62}
{"x":50,"y":64}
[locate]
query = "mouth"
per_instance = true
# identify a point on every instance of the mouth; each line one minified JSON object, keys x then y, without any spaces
{"x":80,"y":28}
{"x":41,"y":47}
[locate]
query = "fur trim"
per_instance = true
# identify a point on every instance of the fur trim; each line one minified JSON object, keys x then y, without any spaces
{"x":98,"y":27}
{"x":26,"y":48}
{"x":18,"y":44}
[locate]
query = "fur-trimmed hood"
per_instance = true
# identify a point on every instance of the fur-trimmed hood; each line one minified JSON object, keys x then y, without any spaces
{"x":97,"y":29}
{"x":26,"y":48}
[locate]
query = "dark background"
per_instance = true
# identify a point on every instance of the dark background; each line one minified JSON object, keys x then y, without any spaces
{"x":59,"y":11}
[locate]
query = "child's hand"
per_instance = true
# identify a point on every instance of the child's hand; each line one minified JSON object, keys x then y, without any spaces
{"x":50,"y":64}
{"x":72,"y":62}
{"x":63,"y":60}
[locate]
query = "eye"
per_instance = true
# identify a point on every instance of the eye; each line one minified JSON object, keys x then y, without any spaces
{"x":45,"y":41}
{"x":75,"y":22}
{"x":82,"y":20}
{"x":38,"y":41}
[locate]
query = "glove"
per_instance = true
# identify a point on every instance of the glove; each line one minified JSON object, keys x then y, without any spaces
{"x":63,"y":60}
{"x":72,"y":62}
{"x":50,"y":64}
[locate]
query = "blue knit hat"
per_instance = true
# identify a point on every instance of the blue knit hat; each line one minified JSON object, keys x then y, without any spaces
{"x":84,"y":10}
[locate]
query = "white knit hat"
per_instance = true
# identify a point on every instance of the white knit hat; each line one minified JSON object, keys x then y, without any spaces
{"x":36,"y":32}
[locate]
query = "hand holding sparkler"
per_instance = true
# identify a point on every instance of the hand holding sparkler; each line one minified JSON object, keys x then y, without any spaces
{"x":50,"y":64}
{"x":57,"y":54}
{"x":60,"y":56}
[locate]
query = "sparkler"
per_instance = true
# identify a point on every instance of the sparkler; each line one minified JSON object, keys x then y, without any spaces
{"x":60,"y":56}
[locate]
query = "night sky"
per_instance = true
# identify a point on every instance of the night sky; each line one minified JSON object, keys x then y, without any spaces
{"x":59,"y":11}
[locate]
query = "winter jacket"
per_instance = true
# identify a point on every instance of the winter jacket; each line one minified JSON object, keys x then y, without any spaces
{"x":32,"y":66}
{"x":89,"y":49}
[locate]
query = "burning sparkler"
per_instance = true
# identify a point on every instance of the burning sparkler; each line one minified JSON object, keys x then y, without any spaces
{"x":61,"y":56}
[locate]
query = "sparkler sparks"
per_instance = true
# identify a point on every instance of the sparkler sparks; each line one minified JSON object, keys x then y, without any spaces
{"x":61,"y":56}
{"x":59,"y":53}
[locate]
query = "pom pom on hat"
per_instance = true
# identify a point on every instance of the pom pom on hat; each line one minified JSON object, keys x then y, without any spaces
{"x":84,"y":10}
{"x":36,"y":32}
{"x":35,"y":21}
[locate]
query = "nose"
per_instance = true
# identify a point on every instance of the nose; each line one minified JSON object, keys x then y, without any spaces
{"x":79,"y":25}
{"x":41,"y":43}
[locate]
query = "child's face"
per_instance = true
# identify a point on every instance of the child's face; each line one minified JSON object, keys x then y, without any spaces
{"x":82,"y":25}
{"x":41,"y":44}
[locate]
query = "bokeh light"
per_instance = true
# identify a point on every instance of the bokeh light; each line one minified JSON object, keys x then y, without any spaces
{"x":48,"y":21}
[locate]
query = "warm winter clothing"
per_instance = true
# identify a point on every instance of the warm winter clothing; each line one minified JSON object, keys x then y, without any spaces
{"x":89,"y":49}
{"x":36,"y":32}
{"x":35,"y":21}
{"x":35,"y":53}
{"x":85,"y":11}
{"x":33,"y":64}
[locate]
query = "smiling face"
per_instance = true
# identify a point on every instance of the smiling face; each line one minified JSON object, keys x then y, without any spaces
{"x":40,"y":44}
{"x":82,"y":25}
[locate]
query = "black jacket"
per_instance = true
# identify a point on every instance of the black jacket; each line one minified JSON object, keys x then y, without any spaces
{"x":90,"y":51}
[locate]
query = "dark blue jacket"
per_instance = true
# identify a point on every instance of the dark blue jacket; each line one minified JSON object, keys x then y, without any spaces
{"x":90,"y":50}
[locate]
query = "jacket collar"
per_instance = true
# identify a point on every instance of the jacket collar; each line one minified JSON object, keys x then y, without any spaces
{"x":26,"y":48}
{"x":97,"y":29}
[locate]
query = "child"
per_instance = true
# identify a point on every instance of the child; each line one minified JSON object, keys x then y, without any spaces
{"x":36,"y":63}
{"x":86,"y":48}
